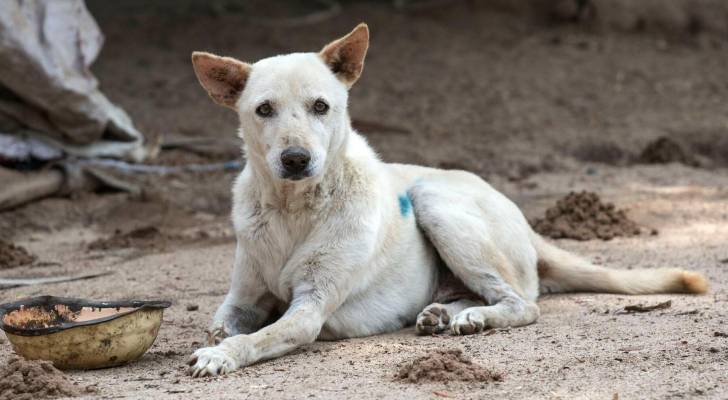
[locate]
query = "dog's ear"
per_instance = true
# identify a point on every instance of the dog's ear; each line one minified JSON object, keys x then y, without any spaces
{"x":345,"y":56}
{"x":223,"y":77}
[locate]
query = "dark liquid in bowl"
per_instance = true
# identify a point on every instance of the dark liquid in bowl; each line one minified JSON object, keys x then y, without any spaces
{"x":46,"y":316}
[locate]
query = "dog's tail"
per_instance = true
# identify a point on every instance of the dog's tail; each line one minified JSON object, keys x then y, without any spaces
{"x":560,"y":271}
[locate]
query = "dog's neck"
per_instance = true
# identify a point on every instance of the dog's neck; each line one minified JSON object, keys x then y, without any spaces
{"x":307,"y":195}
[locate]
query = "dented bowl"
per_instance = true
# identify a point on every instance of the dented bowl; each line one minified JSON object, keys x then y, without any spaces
{"x":81,"y":334}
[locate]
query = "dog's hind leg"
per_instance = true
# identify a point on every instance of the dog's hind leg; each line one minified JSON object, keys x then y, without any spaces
{"x":458,"y":228}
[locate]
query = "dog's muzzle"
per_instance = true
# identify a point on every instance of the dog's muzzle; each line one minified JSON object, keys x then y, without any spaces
{"x":295,"y":161}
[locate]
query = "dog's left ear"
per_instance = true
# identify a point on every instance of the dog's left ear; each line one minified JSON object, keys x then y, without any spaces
{"x":345,"y":56}
{"x":224,"y":78}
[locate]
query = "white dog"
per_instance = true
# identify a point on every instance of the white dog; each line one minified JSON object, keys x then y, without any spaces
{"x":352,"y":246}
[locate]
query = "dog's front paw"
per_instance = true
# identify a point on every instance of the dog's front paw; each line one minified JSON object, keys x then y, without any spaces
{"x":467,"y":322}
{"x":211,"y":361}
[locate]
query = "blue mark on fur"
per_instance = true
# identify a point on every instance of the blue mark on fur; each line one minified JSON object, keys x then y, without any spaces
{"x":405,"y":204}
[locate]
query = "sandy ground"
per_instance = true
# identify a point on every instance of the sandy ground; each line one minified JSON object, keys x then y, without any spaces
{"x":580,"y":348}
{"x":539,"y":110}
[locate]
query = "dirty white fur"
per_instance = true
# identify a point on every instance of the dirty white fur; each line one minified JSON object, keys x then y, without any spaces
{"x":352,"y":250}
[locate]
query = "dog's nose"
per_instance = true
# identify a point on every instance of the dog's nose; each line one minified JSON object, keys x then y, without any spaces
{"x":295,"y":159}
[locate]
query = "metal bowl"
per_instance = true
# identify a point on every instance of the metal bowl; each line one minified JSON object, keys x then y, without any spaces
{"x":81,"y":334}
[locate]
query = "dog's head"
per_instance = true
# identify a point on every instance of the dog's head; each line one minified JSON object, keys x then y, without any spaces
{"x":292,"y":108}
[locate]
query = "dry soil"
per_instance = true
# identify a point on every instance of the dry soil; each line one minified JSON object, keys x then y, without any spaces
{"x":539,"y":109}
{"x":583,"y":216}
{"x":34,"y":380}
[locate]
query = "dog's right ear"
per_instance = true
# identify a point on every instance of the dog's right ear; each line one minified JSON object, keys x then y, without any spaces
{"x":223,"y":77}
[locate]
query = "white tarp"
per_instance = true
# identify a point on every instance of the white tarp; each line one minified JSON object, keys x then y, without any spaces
{"x":47,"y":92}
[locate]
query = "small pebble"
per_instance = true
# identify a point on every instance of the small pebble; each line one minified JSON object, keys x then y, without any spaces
{"x":192,"y":307}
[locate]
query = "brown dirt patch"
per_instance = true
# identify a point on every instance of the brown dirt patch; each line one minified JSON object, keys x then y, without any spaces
{"x":141,"y":238}
{"x":21,"y":379}
{"x":12,"y":256}
{"x":151,"y":239}
{"x":445,"y":366}
{"x":583,"y":216}
{"x":664,"y":150}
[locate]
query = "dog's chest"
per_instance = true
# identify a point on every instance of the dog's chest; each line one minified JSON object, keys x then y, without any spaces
{"x":269,"y":239}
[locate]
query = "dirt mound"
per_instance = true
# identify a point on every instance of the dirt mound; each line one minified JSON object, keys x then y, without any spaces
{"x":445,"y":366}
{"x":141,"y":238}
{"x":604,"y":152}
{"x":665,"y":16}
{"x":29,"y":380}
{"x":583,"y":216}
{"x":664,"y":150}
{"x":12,"y":256}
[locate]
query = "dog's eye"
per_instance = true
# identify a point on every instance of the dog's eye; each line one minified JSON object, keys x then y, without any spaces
{"x":265,"y":110}
{"x":320,"y":107}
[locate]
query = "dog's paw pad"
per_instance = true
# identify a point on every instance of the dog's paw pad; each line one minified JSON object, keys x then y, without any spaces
{"x":210,"y":361}
{"x":433,"y":319}
{"x":467,"y":322}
